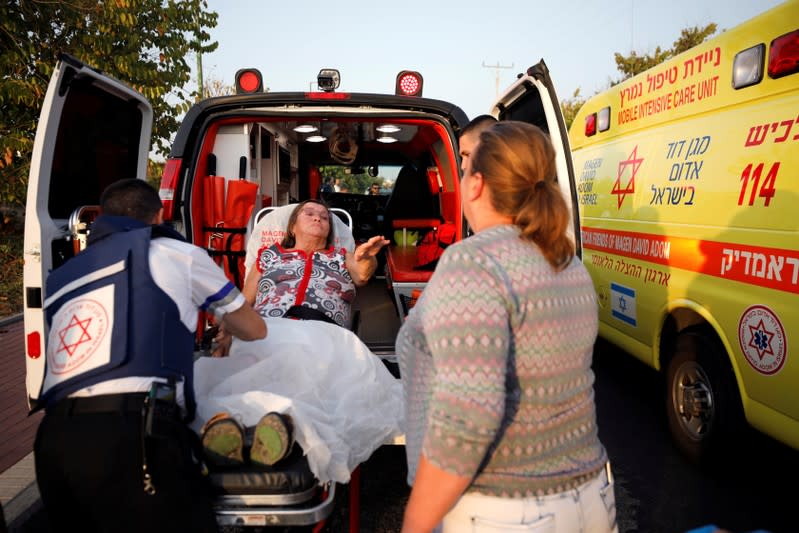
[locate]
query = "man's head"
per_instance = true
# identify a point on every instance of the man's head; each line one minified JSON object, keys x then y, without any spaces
{"x":132,"y":198}
{"x":470,"y":136}
{"x":375,"y":188}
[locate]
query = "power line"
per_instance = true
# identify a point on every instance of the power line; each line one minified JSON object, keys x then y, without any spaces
{"x":497,"y":67}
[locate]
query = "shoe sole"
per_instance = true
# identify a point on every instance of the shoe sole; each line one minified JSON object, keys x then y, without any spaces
{"x":223,"y":443}
{"x":272,"y":440}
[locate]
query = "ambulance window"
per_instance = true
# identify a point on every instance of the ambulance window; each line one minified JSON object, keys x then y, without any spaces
{"x":97,"y":144}
{"x":529,"y":109}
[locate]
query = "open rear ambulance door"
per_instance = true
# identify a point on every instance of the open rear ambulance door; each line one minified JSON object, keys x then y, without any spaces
{"x":531,"y":98}
{"x":92,"y":131}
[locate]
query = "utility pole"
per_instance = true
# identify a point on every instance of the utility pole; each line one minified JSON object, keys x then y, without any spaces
{"x":200,"y":86}
{"x":497,"y":67}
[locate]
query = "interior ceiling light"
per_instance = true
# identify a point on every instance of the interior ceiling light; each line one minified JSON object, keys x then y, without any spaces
{"x":305,"y":128}
{"x":386,"y":139}
{"x":388,"y":128}
{"x":316,"y":139}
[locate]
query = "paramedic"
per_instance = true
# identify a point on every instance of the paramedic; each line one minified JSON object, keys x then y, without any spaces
{"x":329,"y":286}
{"x":496,"y":360}
{"x":127,"y":307}
{"x":470,"y":135}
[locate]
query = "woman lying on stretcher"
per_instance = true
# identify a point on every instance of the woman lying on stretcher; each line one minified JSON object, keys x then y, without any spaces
{"x":341,"y":401}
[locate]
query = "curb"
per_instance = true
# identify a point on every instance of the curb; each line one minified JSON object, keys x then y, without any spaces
{"x":22,"y":507}
{"x":10,"y":320}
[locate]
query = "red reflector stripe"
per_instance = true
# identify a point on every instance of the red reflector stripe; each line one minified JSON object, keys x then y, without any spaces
{"x":34,"y":342}
{"x":327,"y":96}
{"x":169,"y":183}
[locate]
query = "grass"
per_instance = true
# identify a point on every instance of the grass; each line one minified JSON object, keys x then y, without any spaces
{"x":11,"y":237}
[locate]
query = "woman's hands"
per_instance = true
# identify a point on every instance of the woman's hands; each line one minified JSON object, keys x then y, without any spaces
{"x":370,"y":248}
{"x":362,"y":263}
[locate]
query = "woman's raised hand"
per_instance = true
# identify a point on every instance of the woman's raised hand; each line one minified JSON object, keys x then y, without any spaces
{"x":370,"y":248}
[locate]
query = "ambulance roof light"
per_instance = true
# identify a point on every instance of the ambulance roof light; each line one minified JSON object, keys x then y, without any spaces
{"x":409,"y":83}
{"x":603,"y":119}
{"x":783,"y":55}
{"x":747,"y":67}
{"x":590,"y":125}
{"x":248,"y":80}
{"x":328,"y":80}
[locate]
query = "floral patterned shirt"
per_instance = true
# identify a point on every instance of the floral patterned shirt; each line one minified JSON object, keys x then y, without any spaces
{"x":320,"y":281}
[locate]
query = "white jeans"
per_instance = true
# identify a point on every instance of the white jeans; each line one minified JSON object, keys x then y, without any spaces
{"x":590,"y":508}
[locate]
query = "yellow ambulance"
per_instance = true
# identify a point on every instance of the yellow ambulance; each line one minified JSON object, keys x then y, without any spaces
{"x":688,"y":190}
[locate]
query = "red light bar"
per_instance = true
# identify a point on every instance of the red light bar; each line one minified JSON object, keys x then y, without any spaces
{"x":783,"y":55}
{"x":248,"y":80}
{"x":327,"y":96}
{"x":409,"y":83}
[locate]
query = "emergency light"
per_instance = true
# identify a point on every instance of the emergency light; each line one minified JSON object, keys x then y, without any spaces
{"x":590,"y":125}
{"x":409,"y":83}
{"x":783,"y":55}
{"x":248,"y":80}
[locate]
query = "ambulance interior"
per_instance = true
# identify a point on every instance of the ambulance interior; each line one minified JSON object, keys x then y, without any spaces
{"x":286,"y":161}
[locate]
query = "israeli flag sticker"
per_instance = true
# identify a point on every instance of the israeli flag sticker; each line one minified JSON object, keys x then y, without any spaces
{"x":623,"y":304}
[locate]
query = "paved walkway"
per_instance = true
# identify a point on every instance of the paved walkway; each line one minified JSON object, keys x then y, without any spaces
{"x":18,"y":492}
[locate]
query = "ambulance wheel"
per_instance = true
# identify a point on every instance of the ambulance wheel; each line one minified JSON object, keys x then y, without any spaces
{"x":703,"y":405}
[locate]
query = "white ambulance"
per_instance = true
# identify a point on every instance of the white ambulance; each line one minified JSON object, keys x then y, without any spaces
{"x":687,"y":190}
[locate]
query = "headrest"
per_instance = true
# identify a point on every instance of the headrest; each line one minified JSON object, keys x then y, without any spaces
{"x":272,"y":228}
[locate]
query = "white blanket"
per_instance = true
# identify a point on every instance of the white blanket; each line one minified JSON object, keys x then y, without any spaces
{"x":343,"y":401}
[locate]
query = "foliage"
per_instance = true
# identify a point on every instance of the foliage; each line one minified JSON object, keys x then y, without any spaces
{"x":215,"y":87}
{"x":634,"y":64}
{"x":571,"y":106}
{"x":155,"y":169}
{"x":143,"y":43}
{"x":11,"y":236}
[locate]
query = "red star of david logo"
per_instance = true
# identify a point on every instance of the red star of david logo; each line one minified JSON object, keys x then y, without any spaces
{"x":75,"y":328}
{"x":761,"y":339}
{"x":634,"y":162}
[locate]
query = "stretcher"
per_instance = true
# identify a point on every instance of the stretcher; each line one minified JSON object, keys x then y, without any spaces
{"x":284,"y":495}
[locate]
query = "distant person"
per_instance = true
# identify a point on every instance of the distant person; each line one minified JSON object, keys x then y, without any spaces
{"x":327,"y":185}
{"x":106,"y":458}
{"x":337,"y":187}
{"x":495,"y":359}
{"x":470,"y":136}
{"x":374,"y":189}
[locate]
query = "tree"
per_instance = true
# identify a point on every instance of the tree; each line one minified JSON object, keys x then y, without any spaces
{"x":143,"y":43}
{"x":634,"y":64}
{"x":216,"y":87}
{"x":571,"y":106}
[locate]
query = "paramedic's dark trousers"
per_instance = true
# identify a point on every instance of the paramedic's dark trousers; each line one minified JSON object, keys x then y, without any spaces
{"x":89,"y":472}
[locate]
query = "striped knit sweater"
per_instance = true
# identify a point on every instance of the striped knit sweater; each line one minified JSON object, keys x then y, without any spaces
{"x":495,"y":317}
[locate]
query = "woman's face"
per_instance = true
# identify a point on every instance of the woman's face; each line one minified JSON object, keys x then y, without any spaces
{"x":313,"y":221}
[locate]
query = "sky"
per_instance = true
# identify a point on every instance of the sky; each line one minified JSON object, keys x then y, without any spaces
{"x":462,"y":49}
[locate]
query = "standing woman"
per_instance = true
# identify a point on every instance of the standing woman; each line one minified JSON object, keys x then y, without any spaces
{"x":496,"y":361}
